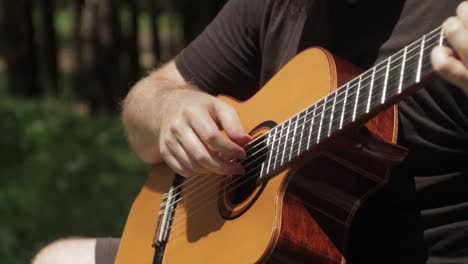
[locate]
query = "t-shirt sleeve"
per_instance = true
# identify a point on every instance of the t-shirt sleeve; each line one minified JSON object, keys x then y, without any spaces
{"x":226,"y":57}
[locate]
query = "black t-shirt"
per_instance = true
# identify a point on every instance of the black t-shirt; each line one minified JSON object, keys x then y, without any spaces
{"x":422,"y":215}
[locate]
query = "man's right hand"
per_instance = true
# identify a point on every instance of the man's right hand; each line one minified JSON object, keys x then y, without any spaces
{"x":190,"y":138}
{"x":167,"y":119}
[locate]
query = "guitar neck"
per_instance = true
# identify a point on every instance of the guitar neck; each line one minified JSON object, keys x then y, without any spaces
{"x":353,"y":103}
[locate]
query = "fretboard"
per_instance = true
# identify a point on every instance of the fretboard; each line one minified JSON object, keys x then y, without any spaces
{"x":381,"y":86}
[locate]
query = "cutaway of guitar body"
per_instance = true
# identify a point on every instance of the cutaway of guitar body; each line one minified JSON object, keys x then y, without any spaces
{"x":303,"y":214}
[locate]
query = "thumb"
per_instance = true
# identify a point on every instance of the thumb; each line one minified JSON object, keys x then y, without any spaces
{"x":229,"y":121}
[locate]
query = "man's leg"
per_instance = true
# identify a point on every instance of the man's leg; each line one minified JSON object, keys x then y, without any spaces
{"x":69,"y":250}
{"x":79,"y":251}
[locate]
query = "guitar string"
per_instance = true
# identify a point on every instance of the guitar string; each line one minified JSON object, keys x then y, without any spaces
{"x":286,"y":142}
{"x":293,"y":145}
{"x":210,"y":195}
{"x":197,"y":209}
{"x":307,"y":115}
{"x":339,"y":92}
{"x":435,"y":33}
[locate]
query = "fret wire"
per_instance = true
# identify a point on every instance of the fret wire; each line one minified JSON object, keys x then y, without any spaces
{"x":302,"y":130}
{"x":344,"y":105}
{"x":418,"y":74}
{"x":261,"y":170}
{"x":321,"y":119}
{"x":311,"y":126}
{"x":384,"y":93}
{"x":441,"y":38}
{"x":271,"y":149}
{"x":357,"y":96}
{"x":370,"y":90}
{"x":279,"y":144}
{"x":332,"y":114}
{"x":285,"y":141}
{"x":400,"y":87}
{"x":293,"y":137}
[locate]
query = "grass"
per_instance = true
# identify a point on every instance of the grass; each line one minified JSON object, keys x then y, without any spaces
{"x":62,"y":174}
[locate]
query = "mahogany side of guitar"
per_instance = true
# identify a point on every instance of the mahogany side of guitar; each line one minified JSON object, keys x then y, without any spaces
{"x":286,"y":223}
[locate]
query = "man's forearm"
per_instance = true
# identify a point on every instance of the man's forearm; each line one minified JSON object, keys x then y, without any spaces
{"x":142,"y":111}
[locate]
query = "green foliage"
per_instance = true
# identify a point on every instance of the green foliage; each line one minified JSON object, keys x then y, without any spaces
{"x":62,"y":175}
{"x":64,"y":26}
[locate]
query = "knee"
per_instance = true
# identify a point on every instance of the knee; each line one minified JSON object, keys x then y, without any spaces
{"x":70,"y":250}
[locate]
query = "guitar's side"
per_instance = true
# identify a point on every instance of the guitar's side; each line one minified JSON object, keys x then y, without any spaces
{"x":286,"y":223}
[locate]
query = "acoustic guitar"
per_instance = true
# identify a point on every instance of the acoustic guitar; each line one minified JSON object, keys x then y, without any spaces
{"x":324,"y":141}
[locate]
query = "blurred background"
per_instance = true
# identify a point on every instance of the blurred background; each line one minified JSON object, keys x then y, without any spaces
{"x":65,"y":66}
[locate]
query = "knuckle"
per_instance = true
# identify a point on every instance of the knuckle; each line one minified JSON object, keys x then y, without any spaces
{"x":211,"y":136}
{"x":441,"y":67}
{"x":167,"y":142}
{"x":176,"y":127}
{"x":452,"y":27}
{"x":201,"y":157}
{"x":462,"y":9}
{"x":458,"y":73}
{"x":196,"y":167}
{"x":188,"y":111}
{"x":188,"y":173}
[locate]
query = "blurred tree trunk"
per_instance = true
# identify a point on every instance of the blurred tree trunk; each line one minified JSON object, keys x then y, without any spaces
{"x":49,"y":45}
{"x":108,"y":53}
{"x":85,"y":23}
{"x":132,"y":43}
{"x":155,"y":11}
{"x":77,"y":9}
{"x":20,"y":48}
{"x":100,"y":79}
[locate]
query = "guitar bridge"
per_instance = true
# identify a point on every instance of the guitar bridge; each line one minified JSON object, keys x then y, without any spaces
{"x":167,"y":213}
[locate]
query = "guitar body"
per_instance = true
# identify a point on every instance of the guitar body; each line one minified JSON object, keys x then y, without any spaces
{"x":301,"y":215}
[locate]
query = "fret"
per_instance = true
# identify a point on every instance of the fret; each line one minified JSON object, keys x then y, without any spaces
{"x":271,"y":148}
{"x":358,"y":91}
{"x":322,"y":114}
{"x":379,"y":86}
{"x":285,"y":139}
{"x":303,"y":121}
{"x":337,"y":111}
{"x":311,"y":127}
{"x":420,"y":61}
{"x":402,"y":73}
{"x":278,"y":144}
{"x":370,"y":90}
{"x":295,"y":121}
{"x":441,"y":37}
{"x":387,"y":72}
{"x":352,"y":91}
{"x":261,"y":171}
{"x":412,"y":62}
{"x":394,"y":75}
{"x":364,"y":90}
{"x":345,"y":100}
{"x":335,"y":121}
{"x":332,"y":114}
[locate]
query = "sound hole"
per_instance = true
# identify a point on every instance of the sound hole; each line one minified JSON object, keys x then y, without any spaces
{"x":241,"y":191}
